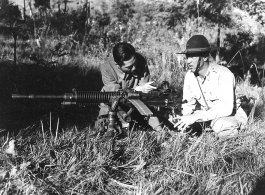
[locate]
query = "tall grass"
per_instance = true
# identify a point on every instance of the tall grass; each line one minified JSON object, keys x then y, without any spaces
{"x":75,"y":162}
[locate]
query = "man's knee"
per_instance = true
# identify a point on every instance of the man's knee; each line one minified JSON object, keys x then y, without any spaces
{"x":225,"y":126}
{"x":155,"y":123}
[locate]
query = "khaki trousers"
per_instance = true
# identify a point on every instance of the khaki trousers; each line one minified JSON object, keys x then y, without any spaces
{"x":231,"y":125}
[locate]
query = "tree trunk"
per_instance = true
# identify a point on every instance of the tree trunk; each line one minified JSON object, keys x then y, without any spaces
{"x":65,"y":6}
{"x":34,"y":24}
{"x":217,"y":57}
{"x":86,"y":22}
{"x":15,"y":45}
{"x":24,"y":10}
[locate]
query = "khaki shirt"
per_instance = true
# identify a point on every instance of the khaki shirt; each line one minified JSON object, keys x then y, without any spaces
{"x":114,"y":78}
{"x":218,"y":88}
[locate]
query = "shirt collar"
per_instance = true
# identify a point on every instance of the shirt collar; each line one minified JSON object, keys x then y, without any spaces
{"x":211,"y":68}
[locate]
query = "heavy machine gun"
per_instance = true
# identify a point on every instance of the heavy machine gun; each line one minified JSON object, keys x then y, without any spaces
{"x":162,"y":100}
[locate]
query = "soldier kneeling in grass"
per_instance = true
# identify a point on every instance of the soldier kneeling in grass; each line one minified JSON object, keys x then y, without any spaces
{"x":126,"y":69}
{"x":209,"y":93}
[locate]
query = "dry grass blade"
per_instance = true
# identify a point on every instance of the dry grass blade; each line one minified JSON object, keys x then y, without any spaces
{"x":123,"y":185}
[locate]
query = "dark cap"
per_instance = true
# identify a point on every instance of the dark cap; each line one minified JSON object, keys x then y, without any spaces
{"x":197,"y":44}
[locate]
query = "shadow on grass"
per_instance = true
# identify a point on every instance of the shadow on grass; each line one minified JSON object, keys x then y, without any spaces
{"x":259,"y":188}
{"x":17,"y":114}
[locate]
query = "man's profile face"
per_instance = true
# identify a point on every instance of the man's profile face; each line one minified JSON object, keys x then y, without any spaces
{"x":192,"y":62}
{"x":129,"y":65}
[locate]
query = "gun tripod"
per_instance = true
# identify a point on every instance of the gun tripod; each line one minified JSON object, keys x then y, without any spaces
{"x":118,"y":120}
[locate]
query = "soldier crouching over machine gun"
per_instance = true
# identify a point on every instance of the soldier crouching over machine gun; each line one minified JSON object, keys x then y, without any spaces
{"x":140,"y":106}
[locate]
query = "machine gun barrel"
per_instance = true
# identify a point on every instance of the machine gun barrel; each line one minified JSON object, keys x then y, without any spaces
{"x":32,"y":96}
{"x":82,"y":97}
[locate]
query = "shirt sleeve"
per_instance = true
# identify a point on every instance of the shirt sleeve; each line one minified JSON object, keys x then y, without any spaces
{"x":189,"y":106}
{"x":222,"y":104}
{"x":109,"y":79}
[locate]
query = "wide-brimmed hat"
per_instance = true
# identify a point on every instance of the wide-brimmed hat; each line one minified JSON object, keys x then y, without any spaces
{"x":197,"y":44}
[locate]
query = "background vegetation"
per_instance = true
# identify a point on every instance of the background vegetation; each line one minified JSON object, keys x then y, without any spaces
{"x":47,"y":149}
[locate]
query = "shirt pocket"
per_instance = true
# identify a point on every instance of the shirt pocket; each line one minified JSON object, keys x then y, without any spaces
{"x":196,"y":94}
{"x":212,"y":96}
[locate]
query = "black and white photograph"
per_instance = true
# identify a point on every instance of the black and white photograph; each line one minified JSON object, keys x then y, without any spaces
{"x":132,"y":97}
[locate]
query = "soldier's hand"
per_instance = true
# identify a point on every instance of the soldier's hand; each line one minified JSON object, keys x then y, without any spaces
{"x":145,"y":88}
{"x":185,"y":121}
{"x":238,"y":102}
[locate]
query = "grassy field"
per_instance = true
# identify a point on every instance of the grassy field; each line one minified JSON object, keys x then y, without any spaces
{"x":39,"y":161}
{"x":46,"y":149}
